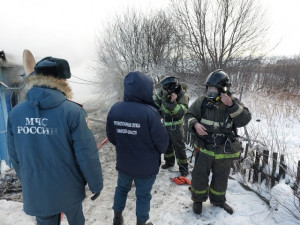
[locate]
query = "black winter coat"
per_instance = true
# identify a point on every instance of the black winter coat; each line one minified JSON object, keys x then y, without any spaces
{"x":135,"y":128}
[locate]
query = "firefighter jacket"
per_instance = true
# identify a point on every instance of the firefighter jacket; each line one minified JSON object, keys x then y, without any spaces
{"x":172,"y":112}
{"x":221,"y":122}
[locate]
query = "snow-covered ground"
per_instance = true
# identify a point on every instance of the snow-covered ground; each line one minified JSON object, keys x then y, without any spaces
{"x":171,"y":203}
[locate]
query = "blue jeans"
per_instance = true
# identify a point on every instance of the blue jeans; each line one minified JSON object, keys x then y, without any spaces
{"x":143,"y":194}
{"x":74,"y":216}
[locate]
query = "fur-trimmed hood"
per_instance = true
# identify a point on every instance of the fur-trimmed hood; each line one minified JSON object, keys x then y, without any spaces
{"x":44,"y":92}
{"x":48,"y":82}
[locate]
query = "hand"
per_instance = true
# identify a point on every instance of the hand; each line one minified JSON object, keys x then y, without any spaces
{"x":95,"y":196}
{"x":226,"y":99}
{"x":200,"y":129}
{"x":173,"y":97}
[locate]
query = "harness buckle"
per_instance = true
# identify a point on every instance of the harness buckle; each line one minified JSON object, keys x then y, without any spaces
{"x":173,"y":127}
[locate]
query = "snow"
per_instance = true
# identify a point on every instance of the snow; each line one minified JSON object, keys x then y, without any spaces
{"x":284,"y":201}
{"x":3,"y":167}
{"x":171,"y":204}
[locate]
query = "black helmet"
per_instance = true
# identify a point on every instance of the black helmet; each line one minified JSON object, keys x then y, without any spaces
{"x":170,"y":84}
{"x":218,"y":79}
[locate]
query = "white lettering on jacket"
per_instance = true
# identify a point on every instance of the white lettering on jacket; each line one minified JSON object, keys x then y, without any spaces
{"x":36,"y":126}
{"x":122,"y":130}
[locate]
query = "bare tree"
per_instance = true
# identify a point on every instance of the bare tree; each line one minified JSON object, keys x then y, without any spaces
{"x":134,"y":41}
{"x":219,"y":31}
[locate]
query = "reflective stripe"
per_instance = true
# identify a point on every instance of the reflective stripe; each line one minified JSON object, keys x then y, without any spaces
{"x":170,"y":155}
{"x":176,"y":110}
{"x":165,"y":110}
{"x":182,"y":161}
{"x":157,"y":104}
{"x":214,"y":123}
{"x":191,"y":120}
{"x":238,"y":112}
{"x":157,"y":95}
{"x":227,"y":156}
{"x":217,"y":156}
{"x":183,"y":107}
{"x":198,"y":192}
{"x":173,"y":123}
{"x":216,"y":192}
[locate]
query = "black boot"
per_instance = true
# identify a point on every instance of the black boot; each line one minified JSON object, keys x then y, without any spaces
{"x":197,"y":207}
{"x":143,"y":223}
{"x":167,"y":165}
{"x":226,"y":207}
{"x":118,"y":219}
{"x":184,"y":173}
{"x":184,"y":169}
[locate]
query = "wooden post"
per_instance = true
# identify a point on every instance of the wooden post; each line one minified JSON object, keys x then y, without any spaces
{"x":281,"y":167}
{"x":264,"y":163}
{"x":256,"y":167}
{"x":246,"y":150}
{"x":284,"y":171}
{"x":296,"y":186}
{"x":245,"y":155}
{"x":274,"y":165}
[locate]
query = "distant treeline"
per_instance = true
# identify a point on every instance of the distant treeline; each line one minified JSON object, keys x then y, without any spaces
{"x":270,"y":75}
{"x":189,"y":40}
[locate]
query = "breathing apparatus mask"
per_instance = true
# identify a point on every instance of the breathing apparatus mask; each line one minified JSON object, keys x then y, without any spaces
{"x":171,"y":85}
{"x":216,"y":83}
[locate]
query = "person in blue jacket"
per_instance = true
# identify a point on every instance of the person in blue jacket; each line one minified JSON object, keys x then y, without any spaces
{"x":134,"y":126}
{"x":51,"y":147}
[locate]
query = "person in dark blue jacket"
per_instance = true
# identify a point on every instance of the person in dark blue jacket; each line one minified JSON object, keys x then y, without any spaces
{"x":134,"y":126}
{"x":51,"y":147}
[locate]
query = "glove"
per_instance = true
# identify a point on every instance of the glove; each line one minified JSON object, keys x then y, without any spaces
{"x":95,"y":196}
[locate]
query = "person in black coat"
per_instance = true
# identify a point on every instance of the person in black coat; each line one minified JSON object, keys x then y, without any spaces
{"x":134,"y":126}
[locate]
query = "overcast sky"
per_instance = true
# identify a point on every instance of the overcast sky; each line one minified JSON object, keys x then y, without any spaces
{"x":67,"y":28}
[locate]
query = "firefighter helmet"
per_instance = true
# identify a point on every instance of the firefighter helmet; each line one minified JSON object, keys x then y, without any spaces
{"x":170,"y":84}
{"x":218,"y":79}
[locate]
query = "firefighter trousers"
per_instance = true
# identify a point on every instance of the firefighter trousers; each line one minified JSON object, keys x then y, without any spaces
{"x":201,"y":188}
{"x":176,"y":146}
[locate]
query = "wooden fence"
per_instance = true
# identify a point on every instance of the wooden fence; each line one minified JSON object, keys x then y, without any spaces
{"x":269,"y":167}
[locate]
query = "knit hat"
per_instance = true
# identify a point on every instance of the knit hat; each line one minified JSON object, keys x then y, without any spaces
{"x":55,"y":67}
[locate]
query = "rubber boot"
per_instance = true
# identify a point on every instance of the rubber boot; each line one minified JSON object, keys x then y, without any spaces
{"x":167,"y":165}
{"x":184,"y":171}
{"x":197,"y":207}
{"x":226,"y":207}
{"x":118,"y":219}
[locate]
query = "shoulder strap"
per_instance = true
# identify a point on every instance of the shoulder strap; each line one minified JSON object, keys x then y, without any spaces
{"x":203,"y":107}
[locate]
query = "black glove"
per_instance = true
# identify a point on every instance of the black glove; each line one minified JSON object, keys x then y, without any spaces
{"x":95,"y":196}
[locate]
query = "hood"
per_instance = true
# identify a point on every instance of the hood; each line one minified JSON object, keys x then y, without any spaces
{"x":46,"y":92}
{"x":44,"y":98}
{"x":138,"y":87}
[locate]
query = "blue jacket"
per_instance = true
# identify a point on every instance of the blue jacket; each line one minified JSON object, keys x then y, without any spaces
{"x":53,"y":152}
{"x":135,"y":128}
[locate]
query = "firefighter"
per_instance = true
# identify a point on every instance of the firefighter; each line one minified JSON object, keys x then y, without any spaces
{"x":213,"y":119}
{"x":172,"y":102}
